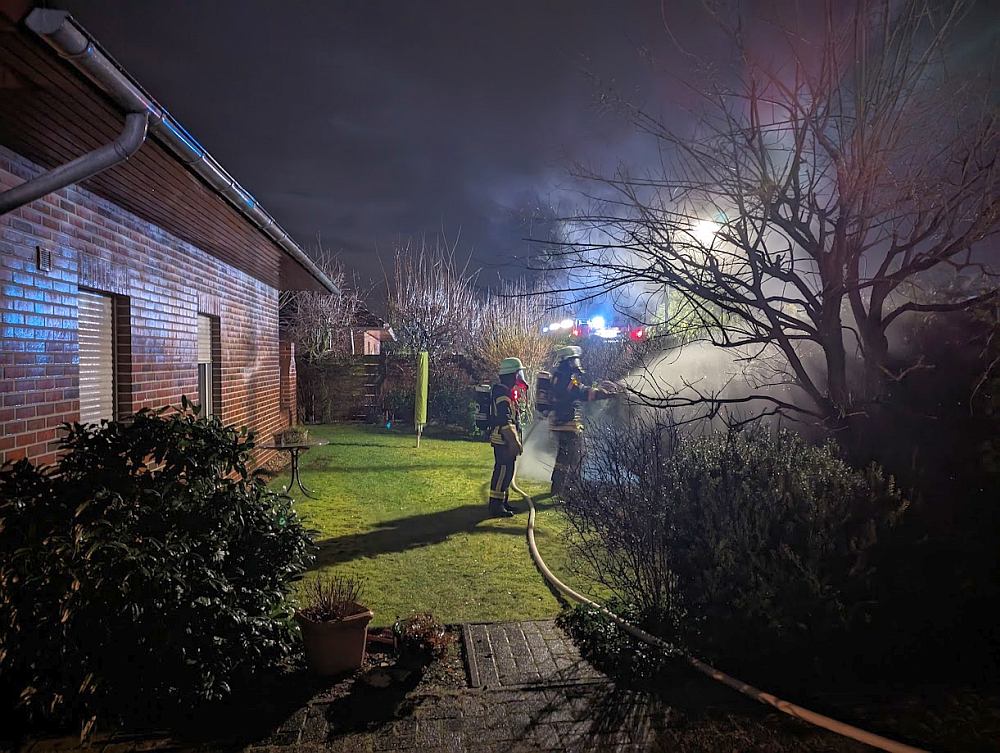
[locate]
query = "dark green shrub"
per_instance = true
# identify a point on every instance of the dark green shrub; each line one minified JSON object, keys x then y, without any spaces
{"x":143,"y":573}
{"x":450,"y":399}
{"x":398,"y":402}
{"x":613,"y":651}
{"x":772,"y":542}
{"x":743,"y":545}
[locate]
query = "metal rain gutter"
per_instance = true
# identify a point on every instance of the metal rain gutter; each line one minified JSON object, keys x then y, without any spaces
{"x":129,"y":141}
{"x":61,"y":31}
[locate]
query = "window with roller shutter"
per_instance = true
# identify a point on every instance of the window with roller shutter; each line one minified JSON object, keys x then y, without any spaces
{"x":97,"y":357}
{"x":206,"y":365}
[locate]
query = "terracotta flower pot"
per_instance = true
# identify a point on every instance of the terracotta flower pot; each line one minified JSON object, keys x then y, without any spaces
{"x":333,"y":648}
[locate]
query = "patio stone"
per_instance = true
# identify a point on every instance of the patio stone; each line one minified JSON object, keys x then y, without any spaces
{"x":531,"y":692}
{"x":515,"y":654}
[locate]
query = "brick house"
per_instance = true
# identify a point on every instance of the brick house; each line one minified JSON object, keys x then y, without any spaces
{"x":153,"y":277}
{"x":368,"y":333}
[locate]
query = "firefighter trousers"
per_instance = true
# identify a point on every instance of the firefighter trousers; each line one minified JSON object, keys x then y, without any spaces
{"x":503,"y":472}
{"x":569,"y":459}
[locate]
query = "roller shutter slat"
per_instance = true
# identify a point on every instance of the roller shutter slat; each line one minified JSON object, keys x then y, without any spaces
{"x":97,"y":374}
{"x":206,"y":386}
{"x":204,"y":339}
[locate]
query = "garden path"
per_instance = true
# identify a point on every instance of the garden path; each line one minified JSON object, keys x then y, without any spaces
{"x":523,"y":687}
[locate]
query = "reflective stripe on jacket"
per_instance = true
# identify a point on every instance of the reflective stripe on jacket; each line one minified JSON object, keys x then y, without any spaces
{"x":504,"y":413}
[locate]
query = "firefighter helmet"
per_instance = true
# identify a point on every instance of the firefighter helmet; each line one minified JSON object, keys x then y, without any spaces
{"x":568,"y":351}
{"x":510,"y":366}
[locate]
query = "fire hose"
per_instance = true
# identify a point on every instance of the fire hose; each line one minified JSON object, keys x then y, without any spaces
{"x":812,"y":717}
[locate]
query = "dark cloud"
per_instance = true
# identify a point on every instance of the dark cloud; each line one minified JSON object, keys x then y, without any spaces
{"x":362,"y":122}
{"x":369,"y":120}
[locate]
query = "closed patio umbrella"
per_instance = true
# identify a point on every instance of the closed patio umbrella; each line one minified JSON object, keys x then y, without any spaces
{"x":420,"y":400}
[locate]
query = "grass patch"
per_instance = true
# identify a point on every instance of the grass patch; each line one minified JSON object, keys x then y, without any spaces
{"x":413,"y":525}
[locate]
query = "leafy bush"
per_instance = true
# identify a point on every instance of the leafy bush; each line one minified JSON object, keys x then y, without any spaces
{"x":397,"y":401}
{"x":450,"y":399}
{"x":773,"y":539}
{"x":746,"y":544}
{"x":612,"y":650}
{"x":144,"y":572}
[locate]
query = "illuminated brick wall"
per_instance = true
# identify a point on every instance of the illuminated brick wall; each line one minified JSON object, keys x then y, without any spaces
{"x":289,"y":402}
{"x":160,"y":282}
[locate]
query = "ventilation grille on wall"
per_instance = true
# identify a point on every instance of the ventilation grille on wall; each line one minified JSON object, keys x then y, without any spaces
{"x":44,"y":259}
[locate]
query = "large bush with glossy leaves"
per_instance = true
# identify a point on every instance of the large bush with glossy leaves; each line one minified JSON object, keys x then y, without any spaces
{"x":143,"y":573}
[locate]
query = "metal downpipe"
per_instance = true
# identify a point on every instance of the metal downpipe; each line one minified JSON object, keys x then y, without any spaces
{"x":58,"y":29}
{"x":128,"y":142}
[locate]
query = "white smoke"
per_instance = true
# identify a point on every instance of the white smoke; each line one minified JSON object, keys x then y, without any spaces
{"x":702,"y":371}
{"x":539,"y":452}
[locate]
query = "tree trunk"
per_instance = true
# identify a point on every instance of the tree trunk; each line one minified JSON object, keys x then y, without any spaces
{"x":832,"y":339}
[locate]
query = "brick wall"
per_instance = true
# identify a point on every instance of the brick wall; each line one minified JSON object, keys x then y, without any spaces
{"x":160,"y":282}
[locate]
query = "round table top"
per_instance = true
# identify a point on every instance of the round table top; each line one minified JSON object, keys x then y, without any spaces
{"x":293,"y":446}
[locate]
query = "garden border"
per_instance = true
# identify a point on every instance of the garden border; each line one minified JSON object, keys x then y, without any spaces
{"x":799,"y":712}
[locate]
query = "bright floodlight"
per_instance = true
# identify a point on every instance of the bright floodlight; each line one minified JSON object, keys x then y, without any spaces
{"x":704,"y":231}
{"x":555,"y":326}
{"x":566,"y":323}
{"x":597,"y":322}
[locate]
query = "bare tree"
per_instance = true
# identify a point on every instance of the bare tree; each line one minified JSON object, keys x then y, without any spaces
{"x":320,"y":323}
{"x":509,"y":323}
{"x":432,"y":299}
{"x":816,"y":198}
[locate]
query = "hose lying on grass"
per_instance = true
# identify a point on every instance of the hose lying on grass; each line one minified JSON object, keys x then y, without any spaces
{"x":819,"y":720}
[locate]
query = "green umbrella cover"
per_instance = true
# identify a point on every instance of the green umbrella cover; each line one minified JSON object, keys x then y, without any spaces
{"x":420,"y":401}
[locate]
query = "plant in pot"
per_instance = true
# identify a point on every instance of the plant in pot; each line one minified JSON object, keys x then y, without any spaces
{"x":334,"y":624}
{"x":292,"y":435}
{"x":420,"y":639}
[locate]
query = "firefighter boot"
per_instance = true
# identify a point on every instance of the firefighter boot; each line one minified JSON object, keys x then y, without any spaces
{"x":509,"y":508}
{"x":497,"y":509}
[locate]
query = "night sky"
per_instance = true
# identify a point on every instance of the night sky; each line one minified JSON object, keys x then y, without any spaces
{"x":363,"y":122}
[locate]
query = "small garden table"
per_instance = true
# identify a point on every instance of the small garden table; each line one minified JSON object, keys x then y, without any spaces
{"x":294,"y":450}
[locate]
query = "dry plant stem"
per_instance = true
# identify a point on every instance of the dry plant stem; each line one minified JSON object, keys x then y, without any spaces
{"x":508,"y":323}
{"x":331,"y":599}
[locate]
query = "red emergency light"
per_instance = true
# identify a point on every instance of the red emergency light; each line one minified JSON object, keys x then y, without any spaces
{"x":636,"y":333}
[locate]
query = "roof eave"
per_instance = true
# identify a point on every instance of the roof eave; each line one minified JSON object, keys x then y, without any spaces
{"x":72,"y":42}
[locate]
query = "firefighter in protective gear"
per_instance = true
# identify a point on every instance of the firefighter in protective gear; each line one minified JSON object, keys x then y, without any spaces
{"x":505,"y":434}
{"x":568,"y":395}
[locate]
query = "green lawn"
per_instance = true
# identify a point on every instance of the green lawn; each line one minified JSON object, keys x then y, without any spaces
{"x":412,"y":523}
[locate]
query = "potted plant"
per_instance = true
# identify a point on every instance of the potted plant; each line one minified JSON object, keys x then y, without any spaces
{"x":420,"y":639}
{"x":292,"y":435}
{"x":334,"y":625}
